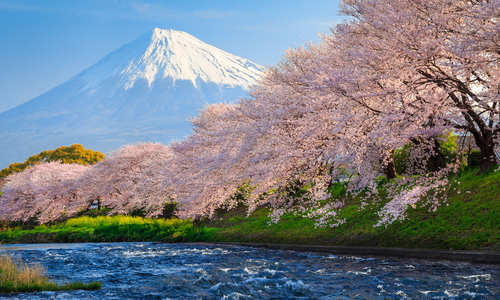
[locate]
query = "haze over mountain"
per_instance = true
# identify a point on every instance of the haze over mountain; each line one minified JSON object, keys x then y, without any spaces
{"x":145,"y":91}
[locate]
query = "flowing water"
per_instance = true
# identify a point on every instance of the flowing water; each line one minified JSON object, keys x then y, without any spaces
{"x":188,"y":271}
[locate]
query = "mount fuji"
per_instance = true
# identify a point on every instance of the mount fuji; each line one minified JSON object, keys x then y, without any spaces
{"x":145,"y":91}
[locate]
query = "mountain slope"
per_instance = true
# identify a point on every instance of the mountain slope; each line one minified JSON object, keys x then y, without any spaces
{"x":144,"y":91}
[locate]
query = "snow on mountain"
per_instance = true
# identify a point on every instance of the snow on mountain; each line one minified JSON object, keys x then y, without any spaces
{"x":181,"y":56}
{"x":145,"y":91}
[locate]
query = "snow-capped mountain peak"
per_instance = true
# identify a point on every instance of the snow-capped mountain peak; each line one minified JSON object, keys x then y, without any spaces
{"x":147,"y":90}
{"x":180,"y":56}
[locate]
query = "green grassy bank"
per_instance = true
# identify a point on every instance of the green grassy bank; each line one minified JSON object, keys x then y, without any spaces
{"x":471,"y":220}
{"x":109,"y":229}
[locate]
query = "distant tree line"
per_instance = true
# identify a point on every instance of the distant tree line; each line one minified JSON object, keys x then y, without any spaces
{"x":74,"y":154}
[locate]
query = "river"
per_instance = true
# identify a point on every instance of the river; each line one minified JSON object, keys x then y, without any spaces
{"x":190,"y":271}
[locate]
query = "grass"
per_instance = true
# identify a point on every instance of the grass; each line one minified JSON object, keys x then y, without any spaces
{"x":109,"y":229}
{"x":18,"y":277}
{"x":471,"y":220}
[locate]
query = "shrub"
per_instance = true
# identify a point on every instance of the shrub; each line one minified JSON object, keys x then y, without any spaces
{"x":138,"y":212}
{"x":337,"y":190}
{"x":169,"y":209}
{"x":94,"y":212}
{"x":448,"y":145}
{"x":401,"y":157}
{"x":74,"y":154}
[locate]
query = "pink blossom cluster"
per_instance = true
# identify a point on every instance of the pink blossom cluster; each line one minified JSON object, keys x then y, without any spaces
{"x":395,"y":209}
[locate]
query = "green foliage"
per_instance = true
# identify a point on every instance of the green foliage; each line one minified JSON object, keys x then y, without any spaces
{"x":169,"y":209}
{"x":240,"y":197}
{"x":401,"y":158}
{"x":448,"y":145}
{"x":13,"y":168}
{"x":110,"y":229}
{"x":94,"y":212}
{"x":138,"y":212}
{"x":338,"y":190}
{"x":242,"y":194}
{"x":74,"y":154}
{"x":296,"y":189}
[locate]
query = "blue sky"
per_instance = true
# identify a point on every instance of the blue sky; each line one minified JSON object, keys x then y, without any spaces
{"x":44,"y":43}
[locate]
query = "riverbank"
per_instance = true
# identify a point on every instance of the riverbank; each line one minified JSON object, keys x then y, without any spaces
{"x":470,"y":220}
{"x":109,"y":229}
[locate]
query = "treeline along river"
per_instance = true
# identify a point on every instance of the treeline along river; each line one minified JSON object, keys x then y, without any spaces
{"x":190,"y":271}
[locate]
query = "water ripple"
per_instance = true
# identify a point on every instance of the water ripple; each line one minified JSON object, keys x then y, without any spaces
{"x":184,"y":271}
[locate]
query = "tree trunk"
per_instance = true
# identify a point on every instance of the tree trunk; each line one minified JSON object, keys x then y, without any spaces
{"x":390,"y":169}
{"x":487,"y":148}
{"x":488,"y":159}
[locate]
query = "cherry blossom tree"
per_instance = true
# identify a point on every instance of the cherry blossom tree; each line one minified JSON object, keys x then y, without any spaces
{"x":401,"y":72}
{"x":257,"y":141}
{"x":440,"y":56}
{"x":43,"y":193}
{"x":398,"y":72}
{"x":129,"y":179}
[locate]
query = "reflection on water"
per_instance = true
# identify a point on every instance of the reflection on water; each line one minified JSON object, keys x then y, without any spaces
{"x":184,"y":271}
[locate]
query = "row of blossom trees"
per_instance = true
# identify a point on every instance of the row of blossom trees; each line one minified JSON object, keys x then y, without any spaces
{"x":399,"y":72}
